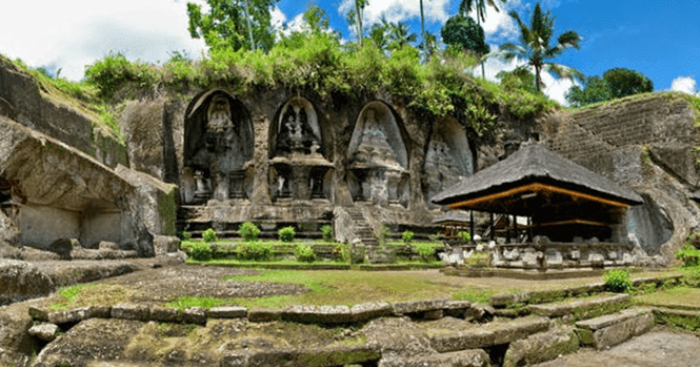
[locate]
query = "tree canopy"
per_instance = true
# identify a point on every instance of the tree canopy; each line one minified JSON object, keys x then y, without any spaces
{"x":615,"y":83}
{"x":225,"y":25}
{"x":463,"y":32}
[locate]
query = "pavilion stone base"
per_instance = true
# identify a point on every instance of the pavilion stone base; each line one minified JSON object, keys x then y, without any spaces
{"x":559,"y":255}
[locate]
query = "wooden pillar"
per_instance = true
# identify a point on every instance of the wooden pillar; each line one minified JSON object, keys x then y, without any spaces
{"x":471,"y":224}
{"x":507,"y":228}
{"x":493,"y":228}
{"x":515,"y":228}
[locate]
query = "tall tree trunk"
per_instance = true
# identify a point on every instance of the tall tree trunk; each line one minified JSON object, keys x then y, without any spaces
{"x":360,"y":32}
{"x":538,"y":81}
{"x":422,"y":29}
{"x":481,"y":58}
{"x":250,"y":29}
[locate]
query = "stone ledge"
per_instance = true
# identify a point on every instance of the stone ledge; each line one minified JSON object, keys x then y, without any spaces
{"x":560,"y":309}
{"x":609,"y":320}
{"x":489,"y":334}
{"x":322,"y":357}
{"x":465,"y":358}
{"x":318,"y":314}
{"x":414,"y":307}
{"x":628,"y":325}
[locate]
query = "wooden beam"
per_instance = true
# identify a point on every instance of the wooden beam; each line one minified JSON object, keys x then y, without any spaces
{"x":575,"y":221}
{"x":535,"y":187}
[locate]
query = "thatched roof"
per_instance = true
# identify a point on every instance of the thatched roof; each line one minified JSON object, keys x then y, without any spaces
{"x":452,"y":217}
{"x":537,"y":167}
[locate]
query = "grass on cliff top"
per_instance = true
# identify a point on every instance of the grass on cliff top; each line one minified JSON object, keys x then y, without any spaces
{"x":354,"y":287}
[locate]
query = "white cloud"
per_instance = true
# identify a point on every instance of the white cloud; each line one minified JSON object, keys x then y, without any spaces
{"x":400,"y":10}
{"x":499,"y":25}
{"x":71,"y":34}
{"x":685,"y":84}
{"x":277,"y":17}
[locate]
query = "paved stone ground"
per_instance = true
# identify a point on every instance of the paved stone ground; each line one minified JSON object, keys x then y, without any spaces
{"x":659,"y":347}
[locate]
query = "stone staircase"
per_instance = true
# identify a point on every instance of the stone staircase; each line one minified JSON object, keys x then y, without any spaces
{"x":363,"y":229}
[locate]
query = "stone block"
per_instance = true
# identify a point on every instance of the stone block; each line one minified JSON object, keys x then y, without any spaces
{"x":465,"y":358}
{"x":260,"y":358}
{"x":21,"y":280}
{"x":318,"y":314}
{"x":69,"y":316}
{"x":194,"y":315}
{"x":368,"y":311}
{"x":610,"y":330}
{"x":165,"y":244}
{"x":405,"y":308}
{"x":165,"y":314}
{"x":489,"y":334}
{"x":560,"y":309}
{"x":232,"y":312}
{"x":106,"y":245}
{"x":456,"y":308}
{"x":541,"y":347}
{"x":39,"y":313}
{"x":45,"y":331}
{"x":130,"y":312}
{"x":264,"y":314}
{"x":338,"y":356}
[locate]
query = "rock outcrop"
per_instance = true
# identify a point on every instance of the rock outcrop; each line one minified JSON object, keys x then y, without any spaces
{"x":20,"y":280}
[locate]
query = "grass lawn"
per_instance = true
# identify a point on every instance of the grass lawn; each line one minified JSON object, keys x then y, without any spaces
{"x":680,"y":297}
{"x":353,"y":287}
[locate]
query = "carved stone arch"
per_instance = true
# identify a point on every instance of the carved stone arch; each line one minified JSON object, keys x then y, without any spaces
{"x":296,"y":130}
{"x":448,"y":156}
{"x":377,"y":126}
{"x":218,"y":148}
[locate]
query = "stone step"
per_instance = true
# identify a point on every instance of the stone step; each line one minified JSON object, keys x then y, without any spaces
{"x":493,"y":333}
{"x":465,"y":358}
{"x":583,"y":308}
{"x":610,"y":330}
{"x":322,"y":357}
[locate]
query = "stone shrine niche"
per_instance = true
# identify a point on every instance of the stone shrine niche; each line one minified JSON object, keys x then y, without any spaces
{"x":298,"y":166}
{"x":378,"y":159}
{"x":218,"y":151}
{"x":448,"y":156}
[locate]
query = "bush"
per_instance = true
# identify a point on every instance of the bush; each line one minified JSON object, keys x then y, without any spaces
{"x":286,"y":234}
{"x":383,"y":234}
{"x":435,"y":237}
{"x":464,"y":236}
{"x":200,"y":251}
{"x":209,"y":235}
{"x":407,"y":236}
{"x":426,"y":252}
{"x":255,"y":251}
{"x":249,"y":231}
{"x":689,"y":255}
{"x":304,"y":253}
{"x":341,"y":253}
{"x":617,"y":280}
{"x":694,"y":239}
{"x":479,"y":259}
{"x":327,"y":233}
{"x":186,"y":235}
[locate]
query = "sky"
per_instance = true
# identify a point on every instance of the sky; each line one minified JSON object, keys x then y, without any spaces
{"x":660,"y":39}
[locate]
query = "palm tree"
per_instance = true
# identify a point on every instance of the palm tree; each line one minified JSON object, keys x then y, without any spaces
{"x":378,"y":33}
{"x":466,"y":6}
{"x":422,"y":27}
{"x":536,"y":49}
{"x":399,"y":36}
{"x":355,"y":18}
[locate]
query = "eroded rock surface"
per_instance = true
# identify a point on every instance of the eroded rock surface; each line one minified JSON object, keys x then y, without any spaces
{"x":20,"y":280}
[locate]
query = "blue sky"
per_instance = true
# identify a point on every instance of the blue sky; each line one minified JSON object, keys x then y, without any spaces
{"x":660,"y":39}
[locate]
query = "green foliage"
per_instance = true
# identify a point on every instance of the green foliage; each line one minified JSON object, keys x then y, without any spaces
{"x":225,"y":24}
{"x":689,"y":254}
{"x":435,"y":237}
{"x":209,"y":235}
{"x":407,"y":236}
{"x":478,"y":259}
{"x":249,"y":231}
{"x":521,"y":78}
{"x":115,"y":72}
{"x":625,"y":82}
{"x":645,"y":156}
{"x":383,"y":234}
{"x":595,"y":90}
{"x":185,"y":302}
{"x":186,"y":235}
{"x":327,"y":233}
{"x":617,"y":280}
{"x":463,"y":32}
{"x":286,"y":234}
{"x":256,"y":251}
{"x":200,"y":251}
{"x":304,"y":253}
{"x":426,"y":252}
{"x":341,"y":253}
{"x":694,"y":239}
{"x":464,"y":236}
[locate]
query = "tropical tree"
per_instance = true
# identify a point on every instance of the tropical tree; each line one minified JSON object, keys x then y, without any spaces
{"x":400,"y":36}
{"x":519,"y":79}
{"x":466,"y":6}
{"x":379,"y":34}
{"x":422,"y":28}
{"x":355,"y":18}
{"x":429,"y":44}
{"x":595,"y":89}
{"x":233,"y":23}
{"x":461,"y":31}
{"x":536,"y":49}
{"x":625,"y":82}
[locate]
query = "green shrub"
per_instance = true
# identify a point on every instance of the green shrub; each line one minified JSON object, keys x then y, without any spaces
{"x":435,"y":237}
{"x":617,"y":280}
{"x":407,"y":236}
{"x":327,"y":233}
{"x":209,"y":235}
{"x":200,"y":251}
{"x":426,"y":252}
{"x":249,"y":231}
{"x":689,"y":255}
{"x":304,"y":253}
{"x":694,"y":239}
{"x":286,"y":234}
{"x":382,"y":235}
{"x":186,"y":235}
{"x":464,"y":236}
{"x":256,"y":251}
{"x":341,"y":253}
